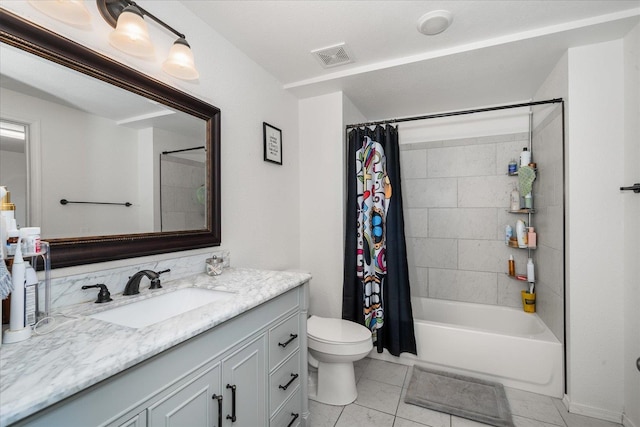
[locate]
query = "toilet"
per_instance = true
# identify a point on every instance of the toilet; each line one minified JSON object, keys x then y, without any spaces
{"x":334,"y":344}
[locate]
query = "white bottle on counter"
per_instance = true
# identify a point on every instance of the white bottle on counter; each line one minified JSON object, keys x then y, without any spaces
{"x":18,"y":330}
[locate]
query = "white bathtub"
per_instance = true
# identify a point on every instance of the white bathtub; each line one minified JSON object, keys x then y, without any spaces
{"x":495,"y":343}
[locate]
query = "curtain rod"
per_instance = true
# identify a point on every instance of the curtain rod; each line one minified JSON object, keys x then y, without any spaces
{"x":455,"y":113}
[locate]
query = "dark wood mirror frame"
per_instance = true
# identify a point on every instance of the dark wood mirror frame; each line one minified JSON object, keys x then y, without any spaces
{"x":25,"y":35}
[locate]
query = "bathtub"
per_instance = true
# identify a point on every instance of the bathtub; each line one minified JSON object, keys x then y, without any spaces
{"x":494,"y":343}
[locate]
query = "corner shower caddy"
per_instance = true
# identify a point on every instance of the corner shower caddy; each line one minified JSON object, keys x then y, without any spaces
{"x":525,"y":211}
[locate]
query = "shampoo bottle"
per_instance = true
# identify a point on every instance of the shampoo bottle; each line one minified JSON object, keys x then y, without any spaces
{"x":521,"y":233}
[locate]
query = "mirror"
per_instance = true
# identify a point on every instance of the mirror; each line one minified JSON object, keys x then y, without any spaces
{"x":131,"y":170}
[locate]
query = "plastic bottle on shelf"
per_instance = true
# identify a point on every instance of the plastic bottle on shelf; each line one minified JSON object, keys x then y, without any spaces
{"x":512,"y":266}
{"x":521,"y":233}
{"x":532,"y":238}
{"x":513,"y":167}
{"x":525,"y":157}
{"x":528,"y":201}
{"x":508,"y":234}
{"x":531,"y":276}
{"x":515,"y":200}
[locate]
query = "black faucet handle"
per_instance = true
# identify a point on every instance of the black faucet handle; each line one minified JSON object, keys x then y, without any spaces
{"x":103,"y":294}
{"x":155,"y":282}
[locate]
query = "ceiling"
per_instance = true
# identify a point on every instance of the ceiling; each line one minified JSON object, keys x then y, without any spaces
{"x":494,"y":51}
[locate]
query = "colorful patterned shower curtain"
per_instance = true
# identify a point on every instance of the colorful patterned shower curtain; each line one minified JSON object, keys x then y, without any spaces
{"x":376,"y":289}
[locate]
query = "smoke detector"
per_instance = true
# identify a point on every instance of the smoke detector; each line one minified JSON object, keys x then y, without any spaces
{"x":333,"y":56}
{"x":435,"y":22}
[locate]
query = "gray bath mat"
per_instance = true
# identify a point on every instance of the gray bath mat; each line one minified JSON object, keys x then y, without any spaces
{"x":466,"y":397}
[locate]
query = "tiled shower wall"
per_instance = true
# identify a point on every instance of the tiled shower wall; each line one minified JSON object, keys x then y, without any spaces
{"x":456,"y":196}
{"x":549,"y":221}
{"x":180,"y":180}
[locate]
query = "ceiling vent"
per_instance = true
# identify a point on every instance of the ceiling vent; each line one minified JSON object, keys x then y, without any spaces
{"x":333,"y":56}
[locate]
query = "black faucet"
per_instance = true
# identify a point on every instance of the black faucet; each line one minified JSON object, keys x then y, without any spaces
{"x":133,"y":285}
{"x":103,"y":294}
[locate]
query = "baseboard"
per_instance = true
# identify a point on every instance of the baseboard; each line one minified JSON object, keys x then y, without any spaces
{"x":626,"y":422}
{"x":590,"y":411}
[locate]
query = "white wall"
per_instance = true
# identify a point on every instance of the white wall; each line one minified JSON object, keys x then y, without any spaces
{"x":632,"y":228}
{"x":62,"y":135}
{"x":321,"y":200}
{"x":596,"y":238}
{"x":260,"y":201}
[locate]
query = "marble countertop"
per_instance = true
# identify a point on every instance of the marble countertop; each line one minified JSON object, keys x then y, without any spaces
{"x":79,"y":351}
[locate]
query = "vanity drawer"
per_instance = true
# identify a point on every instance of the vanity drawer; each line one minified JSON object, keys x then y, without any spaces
{"x":291,"y":413}
{"x":284,"y":381}
{"x":284,"y":339}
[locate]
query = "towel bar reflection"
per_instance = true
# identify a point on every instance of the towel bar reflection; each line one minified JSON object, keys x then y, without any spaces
{"x":635,"y":188}
{"x":66,"y":202}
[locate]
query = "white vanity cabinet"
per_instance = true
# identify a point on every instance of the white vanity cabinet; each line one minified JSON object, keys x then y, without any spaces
{"x":255,"y":361}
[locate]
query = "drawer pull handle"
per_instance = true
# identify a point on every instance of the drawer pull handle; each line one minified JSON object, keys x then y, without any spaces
{"x":295,"y":417}
{"x":286,"y":386}
{"x":219,"y":399}
{"x":292,"y":337}
{"x":232,"y":417}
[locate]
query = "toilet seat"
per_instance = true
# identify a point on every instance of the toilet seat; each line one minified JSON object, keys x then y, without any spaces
{"x":338,"y":336}
{"x":336,"y":331}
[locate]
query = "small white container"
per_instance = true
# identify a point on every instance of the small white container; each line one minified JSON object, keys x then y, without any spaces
{"x":30,"y":240}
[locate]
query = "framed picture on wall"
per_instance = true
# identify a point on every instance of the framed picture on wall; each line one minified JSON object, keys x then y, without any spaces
{"x":272,"y":143}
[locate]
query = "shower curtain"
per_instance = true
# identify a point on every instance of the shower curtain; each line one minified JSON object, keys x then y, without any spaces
{"x":376,"y":289}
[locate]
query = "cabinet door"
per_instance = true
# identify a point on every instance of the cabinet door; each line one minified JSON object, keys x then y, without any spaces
{"x":191,"y":405}
{"x":139,"y":420}
{"x":244,"y":381}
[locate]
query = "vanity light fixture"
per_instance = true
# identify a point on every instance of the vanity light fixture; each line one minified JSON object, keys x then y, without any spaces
{"x":131,"y":36}
{"x":72,"y":12}
{"x":435,"y":22}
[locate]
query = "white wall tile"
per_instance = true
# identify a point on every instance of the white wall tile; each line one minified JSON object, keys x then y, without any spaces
{"x":467,"y":223}
{"x":461,"y":285}
{"x":485,"y":191}
{"x":439,"y":253}
{"x":489,"y":256}
{"x":425,"y":193}
{"x":416,"y":222}
{"x":462,"y":161}
{"x":413,"y":164}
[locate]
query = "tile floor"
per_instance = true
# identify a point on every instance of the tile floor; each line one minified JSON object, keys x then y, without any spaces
{"x":381,"y":388}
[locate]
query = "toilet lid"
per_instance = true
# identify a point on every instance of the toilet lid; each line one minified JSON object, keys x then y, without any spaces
{"x":336,"y":330}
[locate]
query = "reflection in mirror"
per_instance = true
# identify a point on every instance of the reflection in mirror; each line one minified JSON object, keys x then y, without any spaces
{"x":137,"y":161}
{"x":97,"y":144}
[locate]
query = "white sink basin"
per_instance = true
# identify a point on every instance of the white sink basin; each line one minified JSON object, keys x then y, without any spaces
{"x":162,"y":307}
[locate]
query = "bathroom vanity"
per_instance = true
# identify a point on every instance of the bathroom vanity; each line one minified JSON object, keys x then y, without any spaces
{"x":240,"y":362}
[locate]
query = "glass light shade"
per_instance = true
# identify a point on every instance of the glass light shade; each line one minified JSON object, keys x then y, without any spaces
{"x":180,"y":62}
{"x":131,"y":35}
{"x":72,"y":12}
